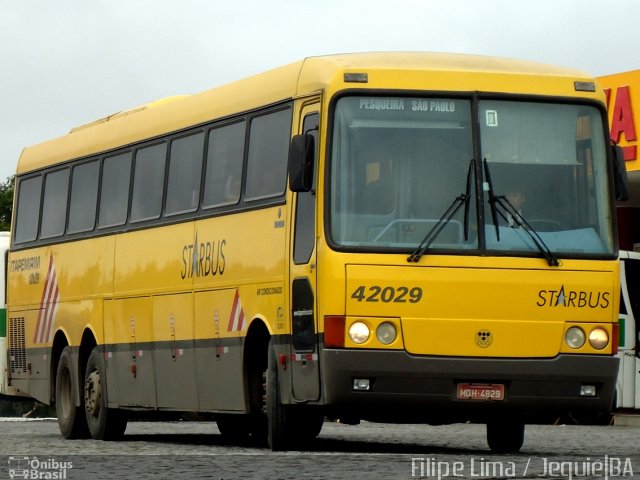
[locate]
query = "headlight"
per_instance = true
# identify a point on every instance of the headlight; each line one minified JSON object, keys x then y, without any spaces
{"x":598,"y":338}
{"x":575,"y":337}
{"x":386,"y":333}
{"x":359,"y":332}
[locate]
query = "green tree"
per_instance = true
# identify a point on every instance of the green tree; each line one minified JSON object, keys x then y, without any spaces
{"x":6,"y":203}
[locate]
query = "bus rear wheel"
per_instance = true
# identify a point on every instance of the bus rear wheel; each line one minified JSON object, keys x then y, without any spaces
{"x":71,"y":420}
{"x":505,"y":436}
{"x":104,"y":423}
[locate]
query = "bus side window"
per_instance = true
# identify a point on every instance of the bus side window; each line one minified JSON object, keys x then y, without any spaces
{"x":54,"y":205}
{"x":148,"y":182}
{"x":114,"y":193}
{"x":305,"y":227}
{"x":185,"y":169}
{"x":268,"y":154}
{"x":223,"y":175}
{"x":84,"y":196}
{"x":28,"y":211}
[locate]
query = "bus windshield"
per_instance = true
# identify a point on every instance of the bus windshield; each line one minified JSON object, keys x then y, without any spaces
{"x":398,"y":164}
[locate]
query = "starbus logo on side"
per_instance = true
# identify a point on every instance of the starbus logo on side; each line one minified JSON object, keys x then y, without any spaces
{"x":203,"y":259}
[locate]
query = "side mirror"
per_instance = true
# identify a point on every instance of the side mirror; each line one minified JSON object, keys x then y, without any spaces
{"x":301,"y":160}
{"x":620,"y":173}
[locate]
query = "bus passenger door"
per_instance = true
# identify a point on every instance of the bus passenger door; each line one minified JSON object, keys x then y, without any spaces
{"x":305,"y":372}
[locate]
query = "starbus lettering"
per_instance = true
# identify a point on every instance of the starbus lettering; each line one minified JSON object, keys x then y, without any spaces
{"x":573,"y":298}
{"x":203,"y":259}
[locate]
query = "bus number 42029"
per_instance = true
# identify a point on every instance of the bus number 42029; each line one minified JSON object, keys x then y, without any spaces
{"x":376,"y":293}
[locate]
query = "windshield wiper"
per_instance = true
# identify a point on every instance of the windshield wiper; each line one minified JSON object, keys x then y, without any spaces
{"x":467,"y":202}
{"x":507,"y":207}
{"x":462,"y":199}
{"x":492,"y":198}
{"x":520,"y":221}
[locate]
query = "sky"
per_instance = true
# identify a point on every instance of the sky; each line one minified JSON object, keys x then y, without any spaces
{"x":65,"y":63}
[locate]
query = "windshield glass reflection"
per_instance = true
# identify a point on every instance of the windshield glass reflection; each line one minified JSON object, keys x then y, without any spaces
{"x":397,"y":164}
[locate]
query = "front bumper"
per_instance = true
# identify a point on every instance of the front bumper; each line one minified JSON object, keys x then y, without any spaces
{"x":406,"y":387}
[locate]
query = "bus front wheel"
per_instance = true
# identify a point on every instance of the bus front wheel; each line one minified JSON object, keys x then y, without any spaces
{"x":505,"y":436}
{"x":70,"y":417}
{"x":104,"y":423}
{"x":278,"y":422}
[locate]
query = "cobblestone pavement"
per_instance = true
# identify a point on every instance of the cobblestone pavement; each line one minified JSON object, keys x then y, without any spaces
{"x":186,"y":450}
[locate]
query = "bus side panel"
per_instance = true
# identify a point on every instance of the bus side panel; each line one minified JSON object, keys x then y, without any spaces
{"x":31,"y":320}
{"x":218,"y":360}
{"x":110,"y":360}
{"x":173,"y":354}
{"x":61,"y":289}
{"x":83,"y":269}
{"x":144,"y":265}
{"x":248,"y":248}
{"x":132,"y":357}
{"x":239,"y":276}
{"x":154,"y":261}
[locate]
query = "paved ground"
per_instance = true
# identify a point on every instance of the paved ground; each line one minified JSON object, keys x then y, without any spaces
{"x":185,"y":450}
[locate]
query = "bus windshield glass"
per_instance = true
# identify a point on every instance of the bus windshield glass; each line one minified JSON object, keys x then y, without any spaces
{"x":399,"y":163}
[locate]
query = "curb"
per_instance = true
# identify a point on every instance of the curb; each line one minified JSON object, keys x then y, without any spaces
{"x":622,"y":420}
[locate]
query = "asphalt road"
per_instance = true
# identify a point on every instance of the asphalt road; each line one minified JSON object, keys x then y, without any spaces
{"x":189,"y":450}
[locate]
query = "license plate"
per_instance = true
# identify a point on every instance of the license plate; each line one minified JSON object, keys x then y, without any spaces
{"x":480,"y":391}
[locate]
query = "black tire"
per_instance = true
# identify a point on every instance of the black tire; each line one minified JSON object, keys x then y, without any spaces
{"x":104,"y":423}
{"x":278,"y":428}
{"x":504,"y":436}
{"x":282,"y":426}
{"x":71,"y":419}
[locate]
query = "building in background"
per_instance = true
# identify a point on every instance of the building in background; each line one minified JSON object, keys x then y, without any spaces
{"x":623,"y":102}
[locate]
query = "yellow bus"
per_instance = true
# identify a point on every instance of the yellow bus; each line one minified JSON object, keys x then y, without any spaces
{"x":395,"y":237}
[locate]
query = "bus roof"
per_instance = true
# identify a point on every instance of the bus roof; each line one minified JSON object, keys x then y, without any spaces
{"x":311,"y":75}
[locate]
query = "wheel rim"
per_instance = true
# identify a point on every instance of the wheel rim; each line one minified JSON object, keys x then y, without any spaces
{"x":92,"y":393}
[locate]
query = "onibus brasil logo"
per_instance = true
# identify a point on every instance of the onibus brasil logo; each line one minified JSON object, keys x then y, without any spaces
{"x":33,"y":467}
